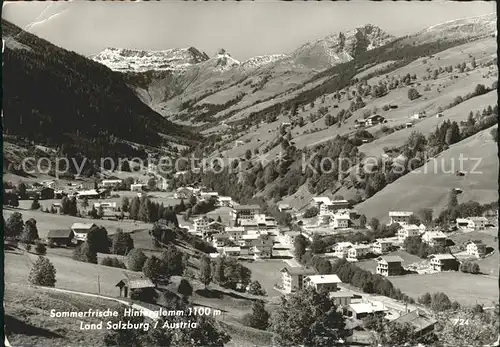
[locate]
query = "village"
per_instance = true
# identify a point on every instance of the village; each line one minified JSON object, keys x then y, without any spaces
{"x":256,"y":239}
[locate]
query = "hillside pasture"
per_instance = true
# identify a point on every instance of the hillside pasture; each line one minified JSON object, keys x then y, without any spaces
{"x":28,"y":322}
{"x":465,"y":288}
{"x":431,"y":184}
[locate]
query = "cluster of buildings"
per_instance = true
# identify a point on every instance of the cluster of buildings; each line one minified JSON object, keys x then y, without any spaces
{"x":74,"y":235}
{"x":369,"y":121}
{"x":246,"y":234}
{"x":334,"y":213}
{"x":351,"y":304}
{"x":201,"y":194}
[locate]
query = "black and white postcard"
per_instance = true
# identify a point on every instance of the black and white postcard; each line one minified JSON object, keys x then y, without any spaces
{"x":250,"y":173}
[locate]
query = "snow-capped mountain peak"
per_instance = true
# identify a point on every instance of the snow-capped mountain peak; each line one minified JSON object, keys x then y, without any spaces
{"x":222,"y":61}
{"x":120,"y":59}
{"x":262,"y":60}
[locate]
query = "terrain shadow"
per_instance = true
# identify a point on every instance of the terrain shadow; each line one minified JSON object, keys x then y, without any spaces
{"x":16,"y":326}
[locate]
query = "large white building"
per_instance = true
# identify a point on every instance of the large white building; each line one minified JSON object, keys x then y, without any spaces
{"x":434,"y":238}
{"x":401,"y":217}
{"x":341,"y":249}
{"x":357,"y":252}
{"x":472,"y":223}
{"x":323,"y":282}
{"x":408,"y":230}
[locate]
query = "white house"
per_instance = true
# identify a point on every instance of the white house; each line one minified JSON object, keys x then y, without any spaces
{"x":81,"y":230}
{"x":341,"y":249}
{"x":472,"y":223}
{"x":231,"y":251}
{"x":476,"y":248}
{"x":341,"y":221}
{"x":219,"y":240}
{"x":408,"y":231}
{"x":401,"y":217}
{"x":106,"y":206}
{"x":235,"y":233}
{"x":434,"y":238}
{"x":201,"y":224}
{"x":225,"y":201}
{"x":357,"y":252}
{"x":381,"y":246}
{"x":323,"y":282}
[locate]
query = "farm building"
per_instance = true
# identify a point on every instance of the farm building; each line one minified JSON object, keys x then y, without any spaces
{"x":363,"y":309}
{"x":421,"y":322}
{"x":137,"y":187}
{"x":91,"y":194}
{"x":60,"y":237}
{"x":110,"y":183}
{"x":323,"y":282}
{"x":443,"y":262}
{"x":81,"y":230}
{"x":472,"y":223}
{"x":88,"y":185}
{"x":128,"y":285}
{"x":389,"y":266}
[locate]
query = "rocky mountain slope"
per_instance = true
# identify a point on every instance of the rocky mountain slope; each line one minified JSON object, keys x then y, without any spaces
{"x":220,"y":87}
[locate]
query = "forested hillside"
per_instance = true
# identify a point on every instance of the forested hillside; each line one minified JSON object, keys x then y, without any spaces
{"x":53,"y":96}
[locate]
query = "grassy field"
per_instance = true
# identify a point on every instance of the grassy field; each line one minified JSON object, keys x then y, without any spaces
{"x":430,"y":185}
{"x":70,"y":274}
{"x":267,"y":272}
{"x":488,"y":265}
{"x":28,"y":322}
{"x":48,"y":221}
{"x":465,"y":288}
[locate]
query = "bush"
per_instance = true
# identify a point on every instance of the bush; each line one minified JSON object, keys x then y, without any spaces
{"x":43,"y":273}
{"x":40,"y":248}
{"x":136,"y":259}
{"x":113,"y":262}
{"x":413,"y":94}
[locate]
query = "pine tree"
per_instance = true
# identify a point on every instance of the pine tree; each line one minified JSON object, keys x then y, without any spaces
{"x":43,"y":273}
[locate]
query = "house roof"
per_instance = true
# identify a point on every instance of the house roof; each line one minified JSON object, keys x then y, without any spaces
{"x":232,"y":249}
{"x":298,"y":270}
{"x":477,"y":219}
{"x":234,"y":229}
{"x":369,"y":307}
{"x":344,"y":244}
{"x":136,"y":283}
{"x":82,"y":226}
{"x":391,"y":259}
{"x":476,"y":242}
{"x":59,"y":233}
{"x":246,"y":207}
{"x":435,"y":234}
{"x":340,"y":294}
{"x":418,"y":319}
{"x":323,"y":279}
{"x":444,"y":256}
{"x":400,"y":213}
{"x":323,"y":199}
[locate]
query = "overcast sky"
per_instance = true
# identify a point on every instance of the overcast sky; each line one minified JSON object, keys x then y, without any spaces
{"x":244,"y":29}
